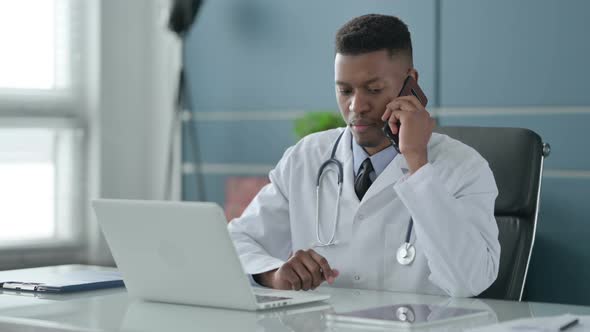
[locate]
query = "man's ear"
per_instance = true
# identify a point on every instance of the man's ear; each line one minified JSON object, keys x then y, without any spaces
{"x":414,"y":73}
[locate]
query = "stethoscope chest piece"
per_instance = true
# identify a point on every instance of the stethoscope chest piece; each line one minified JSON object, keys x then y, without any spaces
{"x":405,"y":314}
{"x":406,"y":254}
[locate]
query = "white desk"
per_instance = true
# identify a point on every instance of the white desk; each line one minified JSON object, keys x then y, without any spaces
{"x":113,"y":310}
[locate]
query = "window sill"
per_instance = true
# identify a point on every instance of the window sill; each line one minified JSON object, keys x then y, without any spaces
{"x":38,"y":245}
{"x":31,"y":254}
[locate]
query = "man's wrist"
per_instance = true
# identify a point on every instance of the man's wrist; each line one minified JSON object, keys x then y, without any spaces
{"x":416,"y":161}
{"x":264,"y":278}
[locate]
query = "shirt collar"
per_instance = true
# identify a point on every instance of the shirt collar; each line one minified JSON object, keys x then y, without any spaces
{"x":380,"y":160}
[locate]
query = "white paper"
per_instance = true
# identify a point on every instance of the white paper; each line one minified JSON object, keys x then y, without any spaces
{"x":539,"y":324}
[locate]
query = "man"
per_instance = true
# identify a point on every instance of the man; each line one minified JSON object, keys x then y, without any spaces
{"x":437,"y":194}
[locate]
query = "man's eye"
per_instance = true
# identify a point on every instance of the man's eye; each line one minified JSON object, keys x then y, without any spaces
{"x":344,"y":92}
{"x":375,"y":91}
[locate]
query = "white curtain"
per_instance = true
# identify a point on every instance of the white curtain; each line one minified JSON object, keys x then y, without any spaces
{"x":130,"y":123}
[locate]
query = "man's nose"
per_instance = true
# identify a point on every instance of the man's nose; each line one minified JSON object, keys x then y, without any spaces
{"x":358,"y":104}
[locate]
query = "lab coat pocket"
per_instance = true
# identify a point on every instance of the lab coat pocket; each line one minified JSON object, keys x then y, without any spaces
{"x":339,"y":244}
{"x":338,"y":252}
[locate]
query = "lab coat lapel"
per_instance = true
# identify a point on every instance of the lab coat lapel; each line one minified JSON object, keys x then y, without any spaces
{"x":396,"y":169}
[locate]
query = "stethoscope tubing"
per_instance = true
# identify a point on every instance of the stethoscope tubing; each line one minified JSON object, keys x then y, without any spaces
{"x":340,"y":174}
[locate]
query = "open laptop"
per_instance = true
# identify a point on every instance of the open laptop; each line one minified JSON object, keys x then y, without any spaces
{"x":181,"y":252}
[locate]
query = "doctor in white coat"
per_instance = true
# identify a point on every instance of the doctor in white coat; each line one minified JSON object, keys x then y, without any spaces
{"x":426,"y":222}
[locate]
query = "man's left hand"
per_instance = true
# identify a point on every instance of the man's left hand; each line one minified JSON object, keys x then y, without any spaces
{"x":414,"y":131}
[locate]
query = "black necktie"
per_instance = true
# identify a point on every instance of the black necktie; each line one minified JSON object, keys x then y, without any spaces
{"x":363,"y":181}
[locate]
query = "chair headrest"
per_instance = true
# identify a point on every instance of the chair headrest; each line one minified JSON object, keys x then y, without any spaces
{"x":514,"y":156}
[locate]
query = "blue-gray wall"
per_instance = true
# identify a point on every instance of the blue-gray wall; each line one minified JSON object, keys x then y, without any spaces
{"x":501,"y":62}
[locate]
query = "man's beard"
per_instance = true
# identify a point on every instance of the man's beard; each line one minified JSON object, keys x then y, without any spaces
{"x":371,"y":142}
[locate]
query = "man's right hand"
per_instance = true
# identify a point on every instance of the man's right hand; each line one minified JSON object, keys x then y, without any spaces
{"x":305,"y":270}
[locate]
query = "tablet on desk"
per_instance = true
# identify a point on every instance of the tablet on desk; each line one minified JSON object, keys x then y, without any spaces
{"x":406,"y":316}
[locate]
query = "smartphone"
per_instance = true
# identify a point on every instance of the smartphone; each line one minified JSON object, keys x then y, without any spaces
{"x":410,"y":87}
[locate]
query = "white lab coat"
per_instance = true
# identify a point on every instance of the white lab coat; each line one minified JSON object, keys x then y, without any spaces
{"x":451,"y":200}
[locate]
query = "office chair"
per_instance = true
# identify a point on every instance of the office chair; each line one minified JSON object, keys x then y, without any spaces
{"x":515,"y":156}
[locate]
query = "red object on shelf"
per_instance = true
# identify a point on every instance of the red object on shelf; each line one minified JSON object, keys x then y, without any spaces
{"x":239,"y":192}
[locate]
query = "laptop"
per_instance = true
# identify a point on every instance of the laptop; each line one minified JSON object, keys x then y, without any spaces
{"x":181,"y":252}
{"x":153,"y":316}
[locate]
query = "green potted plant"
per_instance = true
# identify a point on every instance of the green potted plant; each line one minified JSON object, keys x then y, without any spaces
{"x":315,"y":121}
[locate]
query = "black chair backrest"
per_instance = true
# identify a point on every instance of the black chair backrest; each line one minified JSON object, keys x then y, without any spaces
{"x":515,"y":156}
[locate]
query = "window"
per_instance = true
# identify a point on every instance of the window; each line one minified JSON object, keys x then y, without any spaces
{"x":27,"y":65}
{"x":41,"y":141}
{"x":36,"y":168}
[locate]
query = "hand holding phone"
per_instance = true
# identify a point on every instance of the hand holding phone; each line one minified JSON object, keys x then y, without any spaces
{"x":409,"y":88}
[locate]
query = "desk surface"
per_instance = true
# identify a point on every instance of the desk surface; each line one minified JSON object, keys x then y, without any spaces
{"x":113,"y":310}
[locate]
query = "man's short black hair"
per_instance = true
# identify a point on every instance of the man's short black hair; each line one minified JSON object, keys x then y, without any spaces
{"x":374,"y":32}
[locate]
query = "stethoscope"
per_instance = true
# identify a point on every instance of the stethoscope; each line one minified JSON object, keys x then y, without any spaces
{"x":405,"y":314}
{"x":405,"y":253}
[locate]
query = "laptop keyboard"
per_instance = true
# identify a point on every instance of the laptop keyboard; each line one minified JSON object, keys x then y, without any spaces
{"x":265,"y":299}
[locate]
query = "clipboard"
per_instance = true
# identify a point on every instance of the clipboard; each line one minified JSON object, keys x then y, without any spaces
{"x":65,"y":282}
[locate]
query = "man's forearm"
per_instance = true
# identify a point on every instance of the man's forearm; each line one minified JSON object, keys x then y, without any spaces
{"x":459,"y":236}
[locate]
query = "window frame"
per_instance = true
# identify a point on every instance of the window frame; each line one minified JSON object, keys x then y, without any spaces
{"x":64,"y":107}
